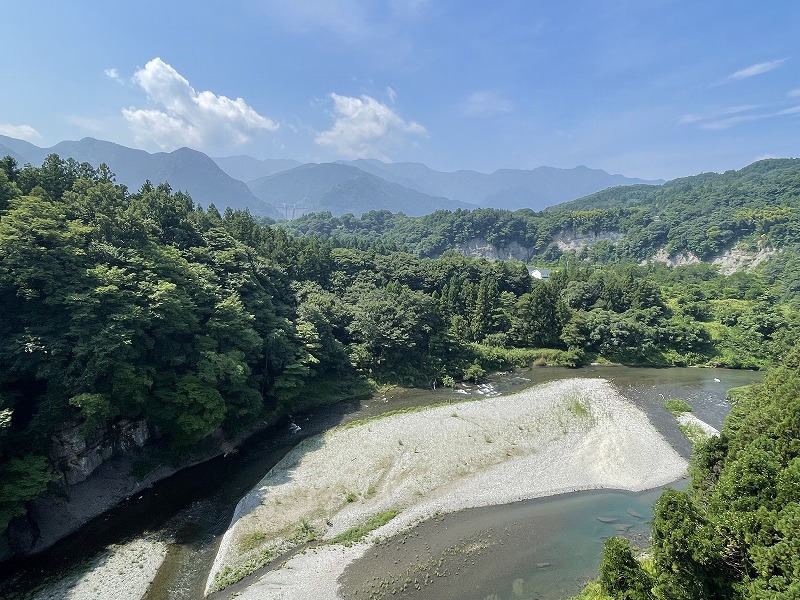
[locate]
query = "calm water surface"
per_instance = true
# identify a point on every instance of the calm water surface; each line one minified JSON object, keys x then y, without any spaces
{"x":538,"y":549}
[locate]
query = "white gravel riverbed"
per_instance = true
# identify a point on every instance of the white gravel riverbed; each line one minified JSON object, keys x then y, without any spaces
{"x":121,"y":572}
{"x":558,"y":437}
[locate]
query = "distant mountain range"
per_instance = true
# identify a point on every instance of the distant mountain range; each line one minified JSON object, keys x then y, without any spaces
{"x":511,"y":189}
{"x":283,"y":188}
{"x":184,"y":169}
{"x":339,"y":188}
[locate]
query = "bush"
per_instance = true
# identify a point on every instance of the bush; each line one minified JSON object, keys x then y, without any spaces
{"x":677,"y":406}
{"x":474,"y":373}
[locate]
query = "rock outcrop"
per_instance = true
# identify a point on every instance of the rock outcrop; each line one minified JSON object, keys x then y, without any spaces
{"x":77,"y":455}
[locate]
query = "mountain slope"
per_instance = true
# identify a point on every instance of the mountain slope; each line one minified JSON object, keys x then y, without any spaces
{"x":754,"y":211}
{"x":412,"y":188}
{"x":247,"y":168}
{"x":184,"y":169}
{"x":343,"y":189}
{"x":506,"y":188}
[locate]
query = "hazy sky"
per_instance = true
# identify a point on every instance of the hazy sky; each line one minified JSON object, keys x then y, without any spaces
{"x":646,"y":88}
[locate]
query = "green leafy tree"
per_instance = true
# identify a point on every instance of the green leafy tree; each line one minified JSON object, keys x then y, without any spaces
{"x":621,"y":575}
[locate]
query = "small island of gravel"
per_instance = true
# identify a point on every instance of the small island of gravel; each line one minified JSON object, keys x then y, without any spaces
{"x":558,"y":437}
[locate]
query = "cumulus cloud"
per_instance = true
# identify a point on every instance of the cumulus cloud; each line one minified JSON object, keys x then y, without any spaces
{"x":366,"y":128}
{"x":184,"y":116}
{"x":485,"y":104}
{"x":20,"y":132}
{"x":756,"y":69}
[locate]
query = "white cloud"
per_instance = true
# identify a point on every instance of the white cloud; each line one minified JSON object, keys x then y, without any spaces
{"x":717,"y":114}
{"x":485,"y":104}
{"x":793,"y":93}
{"x":113,"y":74}
{"x":365,"y":128}
{"x":730,"y":117}
{"x":788,"y":111}
{"x":20,"y":132}
{"x":188,"y":117}
{"x":756,"y":69}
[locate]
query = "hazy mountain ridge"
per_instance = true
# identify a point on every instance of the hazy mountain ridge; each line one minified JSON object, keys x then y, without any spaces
{"x":340,"y":188}
{"x":246,"y":168}
{"x":285,"y":188}
{"x":184,"y":169}
{"x":505,"y":188}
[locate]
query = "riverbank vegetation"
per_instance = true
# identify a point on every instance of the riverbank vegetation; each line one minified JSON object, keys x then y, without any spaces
{"x":736,"y":532}
{"x":125,"y":305}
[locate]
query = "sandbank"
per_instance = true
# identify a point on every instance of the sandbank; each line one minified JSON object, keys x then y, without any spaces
{"x":553,"y":438}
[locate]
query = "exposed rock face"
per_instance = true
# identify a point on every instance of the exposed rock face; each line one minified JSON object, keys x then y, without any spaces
{"x":684,"y":258}
{"x":479,"y":248}
{"x":77,"y":456}
{"x":570,"y":240}
{"x":566,"y":240}
{"x":95,"y":475}
{"x":730,"y":261}
{"x":737,"y":259}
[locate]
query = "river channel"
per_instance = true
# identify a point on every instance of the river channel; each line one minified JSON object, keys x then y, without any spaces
{"x":542,"y":548}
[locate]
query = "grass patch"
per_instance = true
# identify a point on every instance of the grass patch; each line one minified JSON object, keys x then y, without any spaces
{"x":592,"y":591}
{"x":252,"y":540}
{"x":230,"y":575}
{"x":695,"y":433}
{"x":401,"y":411}
{"x":305,"y":532}
{"x":677,"y":406}
{"x":579,"y":408}
{"x":357,"y":533}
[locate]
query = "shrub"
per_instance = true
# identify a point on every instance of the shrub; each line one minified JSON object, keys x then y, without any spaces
{"x":677,"y":406}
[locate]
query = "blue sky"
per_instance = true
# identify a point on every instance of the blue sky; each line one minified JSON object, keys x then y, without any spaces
{"x":646,"y":88}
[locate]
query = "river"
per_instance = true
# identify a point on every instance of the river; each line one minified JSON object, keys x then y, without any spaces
{"x":526,"y":557}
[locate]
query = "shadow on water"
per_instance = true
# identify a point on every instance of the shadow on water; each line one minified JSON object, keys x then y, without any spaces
{"x":193,"y":508}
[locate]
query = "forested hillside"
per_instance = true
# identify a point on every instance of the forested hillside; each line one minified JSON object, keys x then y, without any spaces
{"x":140,"y":305}
{"x":755,"y":208}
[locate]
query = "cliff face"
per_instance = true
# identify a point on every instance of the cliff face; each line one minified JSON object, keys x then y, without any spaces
{"x":732,"y":260}
{"x":479,"y":248}
{"x":567,"y":240}
{"x":95,"y":475}
{"x":77,"y":456}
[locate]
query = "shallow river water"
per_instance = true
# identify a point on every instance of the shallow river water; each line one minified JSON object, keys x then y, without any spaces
{"x":541,"y":548}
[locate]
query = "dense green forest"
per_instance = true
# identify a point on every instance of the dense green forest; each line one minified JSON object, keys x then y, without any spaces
{"x":141,"y":305}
